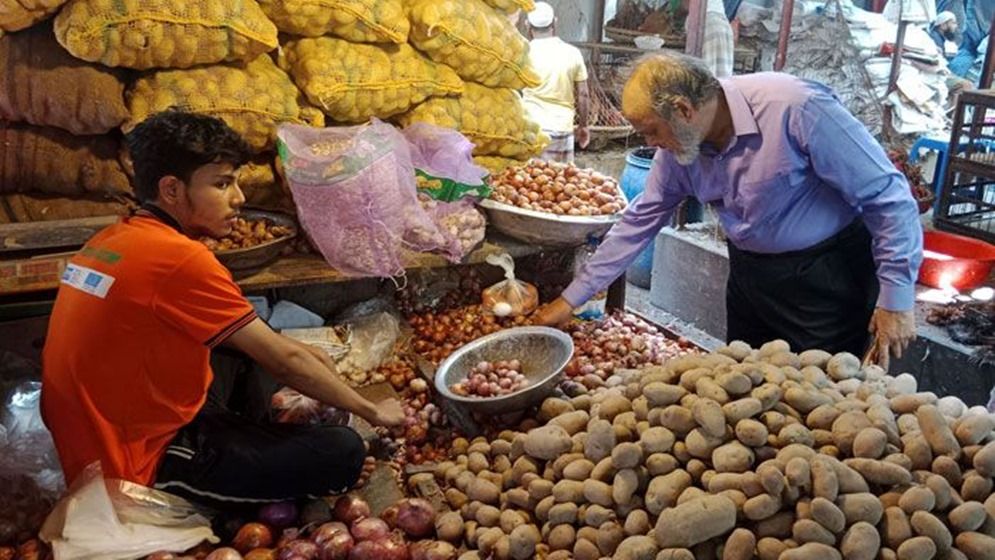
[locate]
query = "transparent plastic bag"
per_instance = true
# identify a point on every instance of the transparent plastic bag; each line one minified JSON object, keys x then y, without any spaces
{"x":510,"y":297}
{"x":30,"y":475}
{"x":371,"y":342}
{"x":443,"y":161}
{"x":119,"y":520}
{"x":354,"y":189}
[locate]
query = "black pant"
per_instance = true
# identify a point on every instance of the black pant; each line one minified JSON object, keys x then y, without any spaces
{"x":231,"y":454}
{"x":821,"y":297}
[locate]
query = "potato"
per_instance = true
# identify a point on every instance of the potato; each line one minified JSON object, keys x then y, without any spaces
{"x":870,"y":443}
{"x":798,"y":472}
{"x":880,"y":472}
{"x":976,"y":546}
{"x":483,"y":491}
{"x":896,"y":528}
{"x":937,"y":432}
{"x":948,"y":469}
{"x":637,"y":523}
{"x":677,"y":419}
{"x":585,"y":549}
{"x":664,"y":490}
{"x":695,"y":522}
{"x":572,"y":422}
{"x":778,"y":526}
{"x":975,"y":487}
{"x":488,"y":516}
{"x":597,"y":492}
{"x":547,"y":442}
{"x":701,"y":445}
{"x":751,"y":433}
{"x":636,"y":548}
{"x":805,"y":401}
{"x":600,"y":440}
{"x":449,"y":527}
{"x":967,"y":517}
{"x":707,"y":388}
{"x":808,"y":531}
{"x":916,"y":499}
{"x":811,"y":551}
{"x":568,"y":491}
{"x":732,"y":457}
{"x":768,"y":394}
{"x":562,"y":537}
{"x":740,"y":545}
{"x":610,"y":535}
{"x":917,"y":548}
{"x":579,"y":469}
{"x":761,"y":507}
{"x":984,"y":460}
{"x":861,"y":542}
{"x":562,"y":513}
{"x":709,"y":416}
{"x":927,"y":525}
{"x":827,"y":514}
{"x":825,"y":483}
{"x":662,"y":394}
{"x":596,"y":516}
{"x":624,"y":486}
{"x":864,"y":507}
{"x":972,"y":430}
{"x":795,"y":433}
{"x":770,"y":548}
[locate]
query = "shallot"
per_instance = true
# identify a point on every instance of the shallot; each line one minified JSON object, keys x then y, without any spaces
{"x":302,"y":548}
{"x":369,"y":529}
{"x":251,"y":536}
{"x":416,"y":517}
{"x":487,"y":379}
{"x":279,"y":515}
{"x":558,"y":188}
{"x":337,"y":547}
{"x":328,"y":530}
{"x":349,"y":508}
{"x":224,"y":553}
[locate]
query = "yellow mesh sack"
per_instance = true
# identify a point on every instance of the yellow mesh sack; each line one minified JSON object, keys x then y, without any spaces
{"x":479,"y":43}
{"x":352,"y":82}
{"x":493,"y":119}
{"x":496,"y":164}
{"x":252,"y":98}
{"x":22,"y":14}
{"x":363,"y":21}
{"x":42,"y":84}
{"x":145,"y":34}
{"x":510,"y":6}
{"x":261,"y":187}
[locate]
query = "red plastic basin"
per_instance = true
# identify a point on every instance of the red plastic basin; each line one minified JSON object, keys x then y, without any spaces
{"x":970,"y":263}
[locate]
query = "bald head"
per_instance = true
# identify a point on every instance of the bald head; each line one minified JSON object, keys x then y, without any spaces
{"x":659,"y":83}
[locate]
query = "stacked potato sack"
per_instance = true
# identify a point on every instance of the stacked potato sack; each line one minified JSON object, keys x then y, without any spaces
{"x":252,"y":98}
{"x":60,"y":148}
{"x":511,"y":6}
{"x":22,"y":14}
{"x":352,"y":82}
{"x":145,"y":34}
{"x":361,"y":21}
{"x":482,"y":46}
{"x":492,"y":118}
{"x":736,"y":455}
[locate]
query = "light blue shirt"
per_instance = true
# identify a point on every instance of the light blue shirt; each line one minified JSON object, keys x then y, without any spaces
{"x":798,"y":170}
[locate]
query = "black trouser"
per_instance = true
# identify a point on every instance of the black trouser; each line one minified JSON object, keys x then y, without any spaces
{"x":821,"y":297}
{"x":231,"y":454}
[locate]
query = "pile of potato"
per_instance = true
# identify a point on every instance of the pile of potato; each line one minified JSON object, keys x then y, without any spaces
{"x":352,"y":82}
{"x":253,"y":98}
{"x":363,"y":21}
{"x":22,"y":14}
{"x":471,"y":37}
{"x":164,"y":33}
{"x":493,"y":119}
{"x":738,"y":454}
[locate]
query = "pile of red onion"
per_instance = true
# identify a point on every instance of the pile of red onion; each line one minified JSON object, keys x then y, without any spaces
{"x":620,"y":340}
{"x":495,"y":379}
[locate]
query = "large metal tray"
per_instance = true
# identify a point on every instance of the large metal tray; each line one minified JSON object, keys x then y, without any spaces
{"x":544,"y":228}
{"x":253,"y":258}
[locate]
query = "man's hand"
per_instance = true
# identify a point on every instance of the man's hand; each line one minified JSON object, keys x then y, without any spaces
{"x":553,"y":314}
{"x":582,"y":135}
{"x":388,"y":414}
{"x":893,"y":331}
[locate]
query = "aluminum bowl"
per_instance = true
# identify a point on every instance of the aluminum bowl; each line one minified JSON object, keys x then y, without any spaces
{"x":543,"y":352}
{"x":544,"y":228}
{"x":251,"y":259}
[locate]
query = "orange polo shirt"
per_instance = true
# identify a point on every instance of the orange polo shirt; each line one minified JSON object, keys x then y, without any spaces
{"x":126,"y":359}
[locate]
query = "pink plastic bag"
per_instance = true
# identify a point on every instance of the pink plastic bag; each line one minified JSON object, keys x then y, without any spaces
{"x":443,"y":161}
{"x":354,"y":188}
{"x":459,"y":222}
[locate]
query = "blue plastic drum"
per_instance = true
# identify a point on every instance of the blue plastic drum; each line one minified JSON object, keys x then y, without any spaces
{"x":637,"y":168}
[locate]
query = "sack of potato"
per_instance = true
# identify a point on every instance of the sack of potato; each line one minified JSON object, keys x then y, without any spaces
{"x":261,"y":186}
{"x":363,"y":21}
{"x":511,"y":6}
{"x":479,"y":43}
{"x":22,"y":14}
{"x":44,"y":85}
{"x":493,"y":119}
{"x":252,"y":98}
{"x":352,"y":82}
{"x":495,"y":164}
{"x":145,"y":34}
{"x":20,"y":208}
{"x":49,"y":160}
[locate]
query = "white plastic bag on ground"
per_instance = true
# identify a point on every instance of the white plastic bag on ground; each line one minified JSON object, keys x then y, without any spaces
{"x":120,"y":520}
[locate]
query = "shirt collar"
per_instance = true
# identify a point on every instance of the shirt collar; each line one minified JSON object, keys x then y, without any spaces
{"x":150,"y":210}
{"x":743,"y":121}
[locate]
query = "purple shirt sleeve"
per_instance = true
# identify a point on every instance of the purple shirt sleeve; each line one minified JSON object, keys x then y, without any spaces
{"x":640,"y":223}
{"x":847,"y":158}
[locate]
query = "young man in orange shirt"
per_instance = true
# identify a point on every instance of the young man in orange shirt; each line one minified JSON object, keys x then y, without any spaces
{"x":127,"y":379}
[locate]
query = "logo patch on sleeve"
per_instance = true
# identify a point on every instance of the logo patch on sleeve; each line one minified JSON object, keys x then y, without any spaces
{"x":87,"y":280}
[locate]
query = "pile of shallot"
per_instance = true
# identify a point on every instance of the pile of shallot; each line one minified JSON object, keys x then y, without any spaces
{"x":619,"y":341}
{"x":487,"y":379}
{"x":437,"y":335}
{"x":558,"y":188}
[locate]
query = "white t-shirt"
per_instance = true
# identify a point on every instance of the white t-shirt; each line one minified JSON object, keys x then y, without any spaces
{"x":560,"y":65}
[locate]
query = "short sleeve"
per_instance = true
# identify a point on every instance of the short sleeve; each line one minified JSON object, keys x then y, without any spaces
{"x":201,"y":298}
{"x":580,"y":74}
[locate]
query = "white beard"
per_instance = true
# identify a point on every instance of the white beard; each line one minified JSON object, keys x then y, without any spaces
{"x":690,"y":140}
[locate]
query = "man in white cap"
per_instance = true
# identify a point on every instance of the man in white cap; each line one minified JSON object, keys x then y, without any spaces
{"x":563,"y":92}
{"x":943,"y":30}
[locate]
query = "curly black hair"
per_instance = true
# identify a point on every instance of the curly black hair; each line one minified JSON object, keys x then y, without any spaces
{"x":177,"y":143}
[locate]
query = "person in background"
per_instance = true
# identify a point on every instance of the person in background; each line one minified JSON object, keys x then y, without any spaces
{"x":718,"y":46}
{"x":942,"y":31}
{"x":824,"y":236}
{"x":563,"y":93}
{"x":978,"y":15}
{"x":127,"y":368}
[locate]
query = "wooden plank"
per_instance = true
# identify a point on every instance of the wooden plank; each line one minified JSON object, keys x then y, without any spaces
{"x":29,"y":237}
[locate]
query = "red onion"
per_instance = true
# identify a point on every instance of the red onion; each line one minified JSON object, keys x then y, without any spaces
{"x":160,"y":555}
{"x":369,"y":529}
{"x":349,"y":508}
{"x":279,"y":515}
{"x":300,"y":547}
{"x":389,"y":516}
{"x":432,"y":550}
{"x":261,"y":554}
{"x":369,"y":550}
{"x":337,"y":547}
{"x":394,"y":548}
{"x":288,"y":535}
{"x":416,"y":517}
{"x":328,"y":530}
{"x":251,"y":536}
{"x":224,"y":553}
